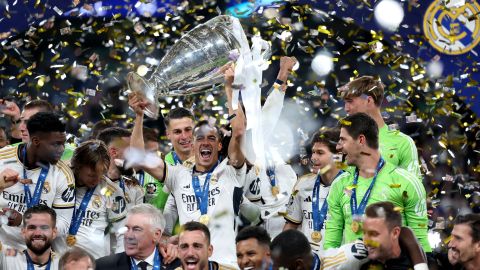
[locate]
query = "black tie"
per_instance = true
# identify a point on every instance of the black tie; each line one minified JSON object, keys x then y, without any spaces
{"x":143,"y":265}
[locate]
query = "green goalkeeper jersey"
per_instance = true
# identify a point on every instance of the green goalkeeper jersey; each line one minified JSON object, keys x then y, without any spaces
{"x":399,"y":149}
{"x":393,"y":184}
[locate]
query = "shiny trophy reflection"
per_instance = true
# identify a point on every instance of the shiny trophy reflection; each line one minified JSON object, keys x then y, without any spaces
{"x":191,"y":65}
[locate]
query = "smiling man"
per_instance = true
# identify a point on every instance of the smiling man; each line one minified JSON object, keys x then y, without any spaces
{"x":253,"y":248}
{"x":382,"y":228}
{"x":307,"y":208}
{"x":211,"y":191}
{"x":52,"y":181}
{"x":465,"y":242}
{"x":38,"y":232}
{"x":371,"y":180}
{"x":195,"y":248}
{"x":365,"y":95}
{"x":144,"y":227}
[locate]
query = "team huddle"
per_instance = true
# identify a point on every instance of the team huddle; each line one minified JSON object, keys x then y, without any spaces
{"x":112,"y":202}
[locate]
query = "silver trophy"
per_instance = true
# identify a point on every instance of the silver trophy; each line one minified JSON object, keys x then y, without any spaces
{"x":192,"y":64}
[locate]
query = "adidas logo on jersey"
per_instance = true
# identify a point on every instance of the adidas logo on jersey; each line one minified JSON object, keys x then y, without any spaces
{"x":187,"y":186}
{"x":308,"y":199}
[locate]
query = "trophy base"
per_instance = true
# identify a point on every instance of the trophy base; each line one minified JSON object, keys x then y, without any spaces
{"x":137,"y":83}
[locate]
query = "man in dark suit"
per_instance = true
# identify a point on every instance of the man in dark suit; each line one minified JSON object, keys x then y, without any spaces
{"x":144,"y":227}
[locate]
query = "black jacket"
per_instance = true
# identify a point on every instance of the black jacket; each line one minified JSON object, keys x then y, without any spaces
{"x":120,"y":261}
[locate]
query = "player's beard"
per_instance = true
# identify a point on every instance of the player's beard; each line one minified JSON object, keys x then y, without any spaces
{"x":39,"y":250}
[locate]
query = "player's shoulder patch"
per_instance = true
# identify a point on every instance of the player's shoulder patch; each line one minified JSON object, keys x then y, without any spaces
{"x":189,"y":163}
{"x":109,"y":185}
{"x":8,"y":151}
{"x":66,"y":171}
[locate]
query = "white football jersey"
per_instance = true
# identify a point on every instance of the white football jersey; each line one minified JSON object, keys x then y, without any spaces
{"x":224,"y":198}
{"x":102,"y":210}
{"x":58,"y":192}
{"x":133,"y":194}
{"x":299,"y":208}
{"x":258,"y":190}
{"x":17,"y":260}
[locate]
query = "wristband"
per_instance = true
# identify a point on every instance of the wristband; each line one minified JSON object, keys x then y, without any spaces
{"x":280,"y":82}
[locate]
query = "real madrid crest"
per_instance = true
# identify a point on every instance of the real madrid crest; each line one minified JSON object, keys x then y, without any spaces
{"x":452,"y":28}
{"x":96,"y":202}
{"x":46,"y":187}
{"x":213,"y":179}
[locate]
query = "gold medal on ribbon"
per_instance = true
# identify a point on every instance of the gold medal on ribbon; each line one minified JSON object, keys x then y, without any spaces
{"x":71,"y":240}
{"x":275,"y":191}
{"x":316,"y":236}
{"x":355,"y":226}
{"x":204,"y":219}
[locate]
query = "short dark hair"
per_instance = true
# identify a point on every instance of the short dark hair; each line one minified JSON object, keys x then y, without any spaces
{"x":387,"y":211}
{"x":45,"y":122}
{"x":39,"y":209}
{"x":41,"y":105}
{"x":149,"y":134}
{"x":90,"y":153}
{"x":291,"y":244}
{"x":74,"y":254}
{"x":256,"y":232}
{"x":206,"y":123}
{"x":365,"y":85}
{"x":196,"y":226}
{"x":361,"y":124}
{"x":328,"y":137}
{"x":100,"y":126}
{"x":110,"y":134}
{"x":472,"y":220}
{"x":177,"y":113}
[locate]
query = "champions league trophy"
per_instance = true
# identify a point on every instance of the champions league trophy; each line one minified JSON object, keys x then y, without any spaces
{"x":192,"y":64}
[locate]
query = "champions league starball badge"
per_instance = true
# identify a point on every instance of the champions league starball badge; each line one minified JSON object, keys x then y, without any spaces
{"x":452,"y":28}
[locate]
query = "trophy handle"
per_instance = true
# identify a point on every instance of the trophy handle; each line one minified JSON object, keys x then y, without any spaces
{"x":137,"y":83}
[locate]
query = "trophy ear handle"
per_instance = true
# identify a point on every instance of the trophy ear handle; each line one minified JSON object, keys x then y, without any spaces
{"x":138,"y":84}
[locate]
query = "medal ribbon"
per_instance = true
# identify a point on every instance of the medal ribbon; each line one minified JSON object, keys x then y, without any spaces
{"x":30,"y":262}
{"x":141,"y":178}
{"x":271,"y":175}
{"x":316,"y":262}
{"x":122,"y":184}
{"x":157,"y":262}
{"x":319,"y":215}
{"x":202,"y":194}
{"x":38,"y":187}
{"x":363,"y":204}
{"x":79,"y":213}
{"x":176,"y":159}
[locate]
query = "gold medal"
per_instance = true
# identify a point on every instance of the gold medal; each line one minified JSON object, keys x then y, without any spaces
{"x":204,"y":219}
{"x":275,"y":191}
{"x":316,"y":236}
{"x":355,"y":226}
{"x":71,"y":240}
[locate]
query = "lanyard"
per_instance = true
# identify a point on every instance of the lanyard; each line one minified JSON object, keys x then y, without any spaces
{"x":316,"y":262}
{"x":122,"y":184}
{"x":319,"y":215}
{"x":30,"y":262}
{"x":202,"y":194}
{"x":363,"y":204}
{"x":176,"y":159}
{"x":32,"y":201}
{"x":141,"y":178}
{"x":271,"y":175}
{"x":157,"y":262}
{"x":79,"y":213}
